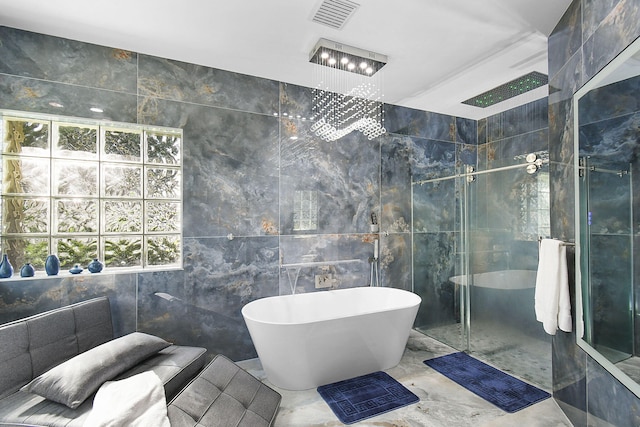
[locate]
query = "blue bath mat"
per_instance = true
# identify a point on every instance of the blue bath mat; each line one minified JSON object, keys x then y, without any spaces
{"x":364,"y":397}
{"x":506,"y":392}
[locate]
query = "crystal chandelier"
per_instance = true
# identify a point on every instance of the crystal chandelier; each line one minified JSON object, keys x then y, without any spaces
{"x":348,"y":95}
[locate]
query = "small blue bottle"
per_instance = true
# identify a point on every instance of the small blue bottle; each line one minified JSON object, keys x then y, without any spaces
{"x":6,"y":269}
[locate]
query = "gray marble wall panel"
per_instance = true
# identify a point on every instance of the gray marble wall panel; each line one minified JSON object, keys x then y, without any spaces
{"x":432,"y":159}
{"x":395,"y":261}
{"x":230,"y":168}
{"x":180,"y":81}
{"x":295,"y":101}
{"x":344,"y":174}
{"x":434,"y":263}
{"x":565,"y":40}
{"x":608,"y":27}
{"x":621,"y":24}
{"x":344,"y":256}
{"x":25,"y":94}
{"x":466,"y":131}
{"x":511,"y":150}
{"x":611,"y":291}
{"x":609,"y":402}
{"x":423,"y":124}
{"x":24,"y":297}
{"x":396,"y":153}
{"x":219,"y":278}
{"x":612,"y":143}
{"x":38,"y":56}
{"x":466,"y":154}
{"x":614,"y":100}
{"x":434,"y":206}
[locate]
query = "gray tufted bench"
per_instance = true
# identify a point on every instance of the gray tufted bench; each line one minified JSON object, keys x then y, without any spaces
{"x":223,"y":394}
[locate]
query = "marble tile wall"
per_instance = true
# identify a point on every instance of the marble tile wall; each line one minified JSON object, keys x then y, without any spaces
{"x":587,"y":37}
{"x":242,"y":169}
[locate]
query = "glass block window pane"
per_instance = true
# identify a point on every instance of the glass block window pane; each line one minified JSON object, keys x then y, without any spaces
{"x":163,"y":250}
{"x":75,"y":178}
{"x":76,"y":216}
{"x":122,"y":251}
{"x":25,"y":175}
{"x":77,"y":142}
{"x":83,"y":189}
{"x":122,"y":145}
{"x":163,"y":183}
{"x":26,"y":249}
{"x":25,"y":215}
{"x":75,"y":250}
{"x":122,"y":180}
{"x":163,"y":148}
{"x":162,"y":217}
{"x":123,"y":217}
{"x":26,"y":137}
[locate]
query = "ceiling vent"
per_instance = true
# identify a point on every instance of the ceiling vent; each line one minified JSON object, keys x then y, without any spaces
{"x":335,"y":13}
{"x":516,"y":87}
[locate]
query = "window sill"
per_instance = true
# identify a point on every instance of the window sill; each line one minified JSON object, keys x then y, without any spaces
{"x":63,"y":274}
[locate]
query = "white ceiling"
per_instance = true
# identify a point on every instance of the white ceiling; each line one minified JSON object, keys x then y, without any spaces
{"x":441,"y":52}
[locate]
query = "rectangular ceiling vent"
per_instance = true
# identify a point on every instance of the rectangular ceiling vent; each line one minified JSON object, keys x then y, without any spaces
{"x":335,"y":13}
{"x":516,"y":87}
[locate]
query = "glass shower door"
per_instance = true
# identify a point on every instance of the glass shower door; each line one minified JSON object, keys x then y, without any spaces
{"x":475,"y":241}
{"x":510,"y":211}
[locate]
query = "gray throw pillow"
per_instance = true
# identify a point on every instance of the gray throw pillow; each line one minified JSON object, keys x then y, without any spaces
{"x":71,"y":382}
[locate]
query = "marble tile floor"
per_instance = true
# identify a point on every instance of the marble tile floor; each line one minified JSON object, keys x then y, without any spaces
{"x":505,"y":347}
{"x":442,"y":402}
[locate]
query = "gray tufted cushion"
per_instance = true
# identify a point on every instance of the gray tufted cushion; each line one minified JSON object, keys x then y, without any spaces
{"x":224,"y":395}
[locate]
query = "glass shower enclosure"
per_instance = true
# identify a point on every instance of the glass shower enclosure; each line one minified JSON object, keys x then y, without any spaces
{"x":475,"y":240}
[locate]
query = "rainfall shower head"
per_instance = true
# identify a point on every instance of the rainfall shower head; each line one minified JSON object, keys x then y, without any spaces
{"x":508,"y":90}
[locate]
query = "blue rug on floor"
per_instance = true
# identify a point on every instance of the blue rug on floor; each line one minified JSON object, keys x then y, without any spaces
{"x":363,"y":397}
{"x":506,"y":392}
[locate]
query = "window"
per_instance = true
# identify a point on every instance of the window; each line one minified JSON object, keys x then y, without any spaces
{"x":86,"y":189}
{"x":305,"y":210}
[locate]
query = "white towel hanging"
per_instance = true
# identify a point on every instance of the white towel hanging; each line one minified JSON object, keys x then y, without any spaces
{"x":552,"y":300}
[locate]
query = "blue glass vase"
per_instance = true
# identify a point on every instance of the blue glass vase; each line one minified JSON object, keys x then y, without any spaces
{"x":27,"y":270}
{"x":52,"y":265}
{"x":95,"y":266}
{"x":6,"y":269}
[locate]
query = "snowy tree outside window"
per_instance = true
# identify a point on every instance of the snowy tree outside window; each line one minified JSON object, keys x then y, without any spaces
{"x":85,"y":189}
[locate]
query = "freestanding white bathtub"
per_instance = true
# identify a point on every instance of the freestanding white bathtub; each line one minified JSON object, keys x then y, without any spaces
{"x":307,"y":340}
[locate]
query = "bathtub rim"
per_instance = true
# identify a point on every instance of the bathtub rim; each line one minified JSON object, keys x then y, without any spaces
{"x":460,"y":280}
{"x":417,"y":300}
